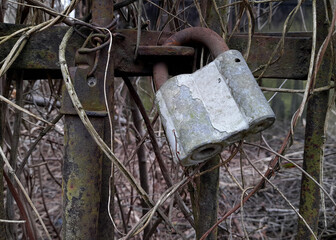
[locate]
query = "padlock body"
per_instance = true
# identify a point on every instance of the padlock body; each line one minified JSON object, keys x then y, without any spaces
{"x":211,"y":108}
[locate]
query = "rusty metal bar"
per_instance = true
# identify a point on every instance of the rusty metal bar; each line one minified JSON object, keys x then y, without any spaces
{"x":86,"y":172}
{"x":81,"y":179}
{"x":102,"y":15}
{"x":82,"y":165}
{"x":205,"y":200}
{"x":166,"y":51}
{"x":204,"y":36}
{"x":315,"y":136}
{"x":40,"y":60}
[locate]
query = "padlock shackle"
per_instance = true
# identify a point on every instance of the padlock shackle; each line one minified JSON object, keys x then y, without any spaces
{"x":205,"y":36}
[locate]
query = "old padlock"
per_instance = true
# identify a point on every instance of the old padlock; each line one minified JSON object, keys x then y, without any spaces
{"x":213,"y":107}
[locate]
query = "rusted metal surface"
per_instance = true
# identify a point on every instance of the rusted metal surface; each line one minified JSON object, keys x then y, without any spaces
{"x":102,"y":15}
{"x":203,"y":36}
{"x":205,"y":199}
{"x":294,"y":62}
{"x":86,"y":172}
{"x":124,"y":49}
{"x":81,"y":179}
{"x":82,"y":169}
{"x":39,"y":58}
{"x":102,"y":12}
{"x":160,"y":74}
{"x":166,"y":51}
{"x":90,"y":93}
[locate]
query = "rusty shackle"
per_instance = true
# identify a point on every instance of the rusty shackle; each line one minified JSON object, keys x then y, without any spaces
{"x":205,"y":36}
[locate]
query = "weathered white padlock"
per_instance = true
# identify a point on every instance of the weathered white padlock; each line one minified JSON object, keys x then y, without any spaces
{"x":213,"y":107}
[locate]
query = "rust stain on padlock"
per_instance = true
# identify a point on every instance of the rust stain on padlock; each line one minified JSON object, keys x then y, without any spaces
{"x":211,"y":108}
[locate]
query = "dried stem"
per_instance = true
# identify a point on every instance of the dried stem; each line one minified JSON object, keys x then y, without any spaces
{"x":11,"y":171}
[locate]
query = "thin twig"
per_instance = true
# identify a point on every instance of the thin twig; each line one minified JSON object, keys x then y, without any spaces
{"x":45,"y":205}
{"x":20,"y":206}
{"x":11,"y":171}
{"x":37,"y":140}
{"x":297,"y":166}
{"x":282,"y":195}
{"x":149,"y":215}
{"x":164,"y":10}
{"x":138,"y":29}
{"x":242,"y":211}
{"x":284,"y":90}
{"x":156,"y":148}
{"x":12,"y":221}
{"x":2,"y":98}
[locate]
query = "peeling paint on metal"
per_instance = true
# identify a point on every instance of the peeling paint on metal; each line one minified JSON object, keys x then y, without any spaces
{"x":207,"y":85}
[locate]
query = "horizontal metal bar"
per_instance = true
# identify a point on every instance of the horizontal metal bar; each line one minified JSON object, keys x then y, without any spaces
{"x":166,"y":51}
{"x":40,"y":56}
{"x":293,"y":63}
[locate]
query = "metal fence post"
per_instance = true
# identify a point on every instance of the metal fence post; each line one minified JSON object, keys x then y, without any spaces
{"x":315,"y":136}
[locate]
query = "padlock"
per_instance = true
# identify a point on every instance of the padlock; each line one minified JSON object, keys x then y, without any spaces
{"x":217,"y":105}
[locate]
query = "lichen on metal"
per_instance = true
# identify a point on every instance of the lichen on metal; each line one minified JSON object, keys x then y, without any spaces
{"x":211,"y":108}
{"x":81,"y":179}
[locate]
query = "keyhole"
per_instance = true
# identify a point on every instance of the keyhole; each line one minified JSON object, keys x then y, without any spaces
{"x":92,"y":81}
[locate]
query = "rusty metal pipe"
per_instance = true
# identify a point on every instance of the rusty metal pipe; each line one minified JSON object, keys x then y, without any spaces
{"x":205,"y":36}
{"x":160,"y":74}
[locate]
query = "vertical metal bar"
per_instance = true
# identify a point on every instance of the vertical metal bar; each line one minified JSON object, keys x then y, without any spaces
{"x":81,"y":179}
{"x":102,"y":12}
{"x":85,"y":172}
{"x":205,"y":200}
{"x":102,"y":15}
{"x":314,"y":137}
{"x":82,"y":166}
{"x":105,"y":226}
